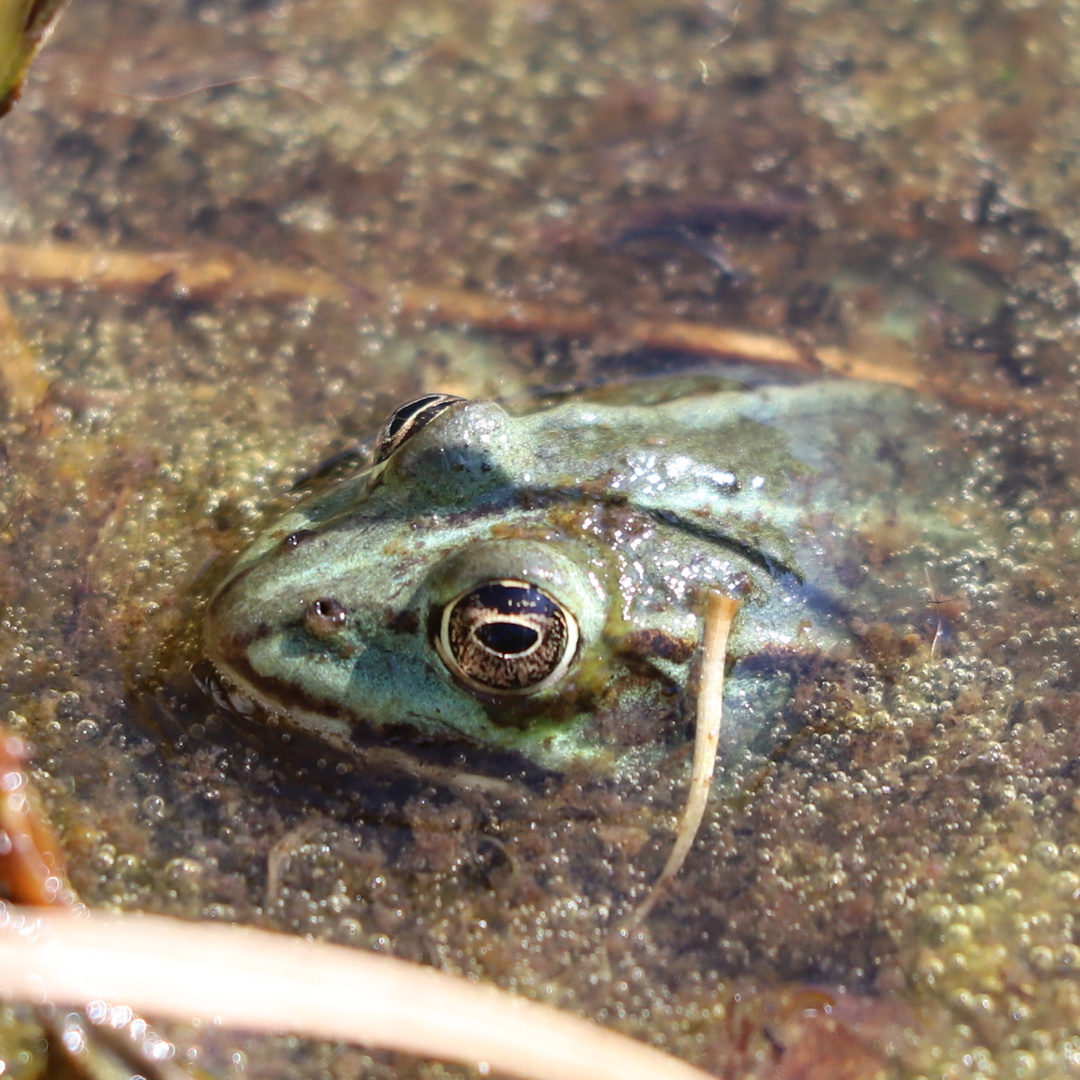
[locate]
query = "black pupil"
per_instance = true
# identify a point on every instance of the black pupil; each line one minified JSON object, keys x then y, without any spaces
{"x":507,"y":638}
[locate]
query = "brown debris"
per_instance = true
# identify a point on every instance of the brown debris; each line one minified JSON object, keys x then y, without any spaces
{"x":31,"y":863}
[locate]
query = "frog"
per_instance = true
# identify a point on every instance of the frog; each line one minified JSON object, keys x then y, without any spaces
{"x":529,"y":581}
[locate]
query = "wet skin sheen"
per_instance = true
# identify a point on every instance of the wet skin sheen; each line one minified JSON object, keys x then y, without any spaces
{"x":533,"y":583}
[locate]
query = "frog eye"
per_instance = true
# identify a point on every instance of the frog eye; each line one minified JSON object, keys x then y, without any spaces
{"x":507,"y":637}
{"x":408,"y":419}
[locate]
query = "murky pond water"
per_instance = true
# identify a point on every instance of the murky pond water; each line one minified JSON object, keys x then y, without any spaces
{"x":891,"y":182}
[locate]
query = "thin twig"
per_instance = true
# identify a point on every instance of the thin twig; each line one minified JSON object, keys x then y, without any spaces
{"x":528,"y":317}
{"x":259,"y":981}
{"x":189,"y":274}
{"x":183,"y":273}
{"x":104,"y":1043}
{"x":719,"y":615}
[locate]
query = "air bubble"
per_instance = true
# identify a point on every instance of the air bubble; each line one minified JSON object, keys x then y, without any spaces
{"x":1042,"y":960}
{"x":105,"y":857}
{"x":1046,"y":852}
{"x":87,"y":730}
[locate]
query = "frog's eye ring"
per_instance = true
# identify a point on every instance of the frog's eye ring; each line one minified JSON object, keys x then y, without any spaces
{"x":406,"y":420}
{"x":507,"y":637}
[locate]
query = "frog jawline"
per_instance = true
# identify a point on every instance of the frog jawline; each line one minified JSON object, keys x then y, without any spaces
{"x":336,"y":730}
{"x":339,"y":730}
{"x":231,"y":692}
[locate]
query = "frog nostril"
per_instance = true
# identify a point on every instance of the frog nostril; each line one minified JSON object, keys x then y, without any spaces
{"x":295,"y":539}
{"x":325,"y":617}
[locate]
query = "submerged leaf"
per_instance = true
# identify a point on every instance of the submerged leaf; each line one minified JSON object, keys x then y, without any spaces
{"x":25,"y":26}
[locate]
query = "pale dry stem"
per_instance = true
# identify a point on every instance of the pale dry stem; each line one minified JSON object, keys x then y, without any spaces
{"x":259,"y":981}
{"x":719,"y":615}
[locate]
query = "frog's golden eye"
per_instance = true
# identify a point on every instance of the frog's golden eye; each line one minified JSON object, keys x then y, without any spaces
{"x":406,"y":420}
{"x":507,"y":637}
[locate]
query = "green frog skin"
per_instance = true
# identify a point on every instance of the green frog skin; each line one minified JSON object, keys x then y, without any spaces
{"x":533,"y":583}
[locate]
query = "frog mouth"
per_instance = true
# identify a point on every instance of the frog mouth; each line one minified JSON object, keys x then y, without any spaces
{"x":228,"y":638}
{"x":230,"y":656}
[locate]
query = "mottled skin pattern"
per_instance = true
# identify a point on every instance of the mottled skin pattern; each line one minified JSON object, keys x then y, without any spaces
{"x":814,"y":503}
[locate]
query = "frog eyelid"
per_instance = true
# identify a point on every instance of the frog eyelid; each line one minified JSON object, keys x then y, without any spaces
{"x":406,"y":420}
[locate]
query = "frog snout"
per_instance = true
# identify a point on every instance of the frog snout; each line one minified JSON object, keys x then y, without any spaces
{"x":227,"y":634}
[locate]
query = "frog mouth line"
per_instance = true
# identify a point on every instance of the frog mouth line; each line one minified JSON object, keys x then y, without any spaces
{"x":273,"y":694}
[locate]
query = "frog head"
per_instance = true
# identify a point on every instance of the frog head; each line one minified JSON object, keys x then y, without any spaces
{"x":433,"y":591}
{"x":528,"y":583}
